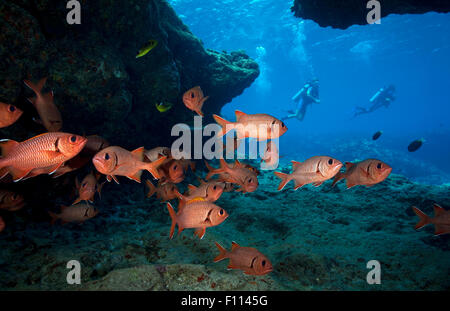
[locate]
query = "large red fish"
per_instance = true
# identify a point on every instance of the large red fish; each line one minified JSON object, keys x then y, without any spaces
{"x":260,"y":126}
{"x":367,"y":173}
{"x":238,"y":174}
{"x":45,"y":106}
{"x":157,"y":152}
{"x":88,"y":187}
{"x":194,"y":99}
{"x":46,"y":152}
{"x":198,"y":214}
{"x":9,"y":114}
{"x":314,"y":170}
{"x":247,"y":259}
{"x":441,"y":220}
{"x":116,"y":161}
{"x":11,"y":201}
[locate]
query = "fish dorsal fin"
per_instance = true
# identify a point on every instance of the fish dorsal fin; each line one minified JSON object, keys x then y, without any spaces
{"x":191,"y":187}
{"x":239,"y":114}
{"x":139,"y":153}
{"x":295,"y":164}
{"x":237,"y":163}
{"x":234,"y":245}
{"x":438,"y":210}
{"x":348,"y":165}
{"x":35,"y":137}
{"x":6,"y":145}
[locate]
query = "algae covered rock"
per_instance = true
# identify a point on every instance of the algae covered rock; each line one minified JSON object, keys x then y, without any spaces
{"x":179,"y":277}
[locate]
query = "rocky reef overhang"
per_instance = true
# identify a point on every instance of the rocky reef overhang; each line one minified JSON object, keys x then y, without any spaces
{"x":100,"y":86}
{"x":345,"y":13}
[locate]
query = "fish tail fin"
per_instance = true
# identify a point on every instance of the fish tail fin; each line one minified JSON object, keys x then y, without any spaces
{"x":6,"y":146}
{"x":53,"y":216}
{"x":223,"y":253}
{"x":424,"y":218}
{"x":37,"y":88}
{"x":152,"y":167}
{"x":151,"y":188}
{"x":173,"y":216}
{"x":284,"y":179}
{"x":339,"y":176}
{"x":226,"y":125}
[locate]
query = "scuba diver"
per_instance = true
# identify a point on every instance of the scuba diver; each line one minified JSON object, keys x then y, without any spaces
{"x":383,"y":97}
{"x":308,"y":95}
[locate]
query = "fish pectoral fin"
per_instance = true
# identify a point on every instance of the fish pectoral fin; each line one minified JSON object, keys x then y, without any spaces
{"x":200,"y":232}
{"x":54,"y":168}
{"x":112,"y":177}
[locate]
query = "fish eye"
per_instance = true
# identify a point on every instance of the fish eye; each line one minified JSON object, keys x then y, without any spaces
{"x":84,"y":185}
{"x":192,"y":95}
{"x":221,"y":212}
{"x":175,"y":167}
{"x":215,"y":187}
{"x":73,"y":139}
{"x":250,"y":180}
{"x":106,"y":156}
{"x":12,"y":108}
{"x":14,"y":196}
{"x":379,"y":165}
{"x":263,"y":263}
{"x":330,"y":161}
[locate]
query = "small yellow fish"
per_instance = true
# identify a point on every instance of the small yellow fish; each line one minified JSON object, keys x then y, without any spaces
{"x":163,"y":107}
{"x":147,"y":48}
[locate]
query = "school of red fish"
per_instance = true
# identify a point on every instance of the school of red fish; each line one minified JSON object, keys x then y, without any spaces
{"x":57,"y":153}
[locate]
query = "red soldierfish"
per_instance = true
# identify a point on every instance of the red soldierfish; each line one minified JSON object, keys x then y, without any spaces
{"x":11,"y":201}
{"x":88,"y":187}
{"x":45,"y":106}
{"x":260,"y":126}
{"x":74,"y":213}
{"x":193,"y":99}
{"x":314,"y":170}
{"x":116,"y":161}
{"x":171,"y":171}
{"x":198,"y":214}
{"x":45,"y":152}
{"x":238,"y":174}
{"x":441,"y":220}
{"x":210,"y":191}
{"x":367,"y":173}
{"x":9,"y":114}
{"x":247,"y":259}
{"x":165,"y":192}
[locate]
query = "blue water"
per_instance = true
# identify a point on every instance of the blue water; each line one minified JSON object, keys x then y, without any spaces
{"x":409,"y":51}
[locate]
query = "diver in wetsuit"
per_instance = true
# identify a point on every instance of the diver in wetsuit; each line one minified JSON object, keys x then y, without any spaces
{"x":308,"y":95}
{"x":383,"y":97}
